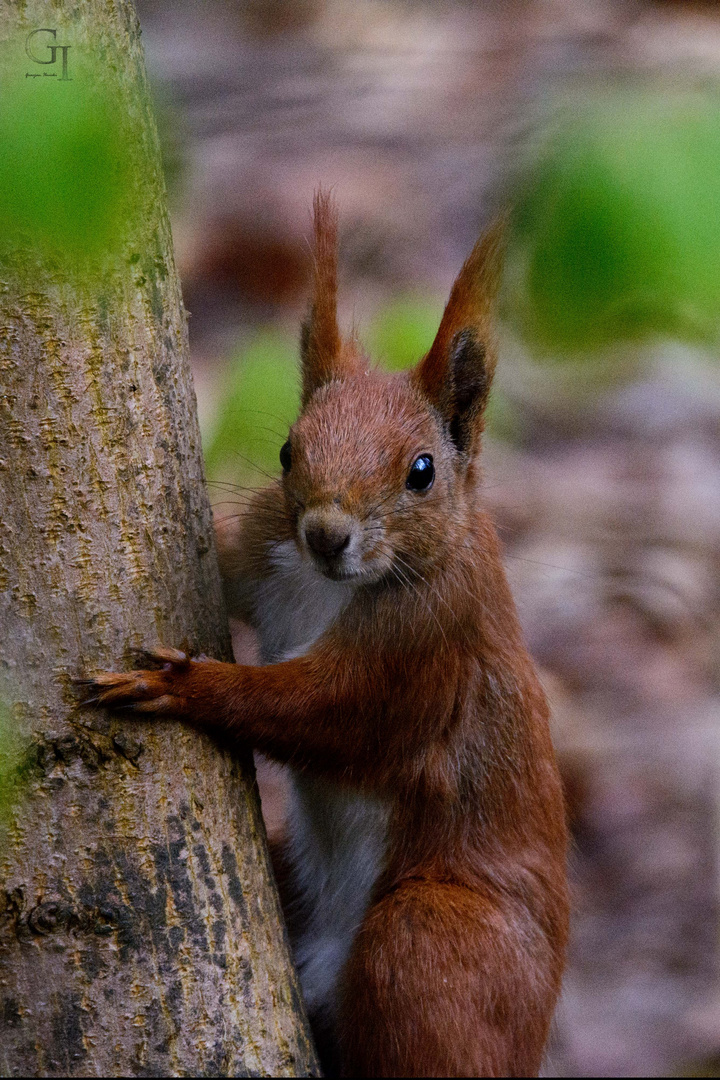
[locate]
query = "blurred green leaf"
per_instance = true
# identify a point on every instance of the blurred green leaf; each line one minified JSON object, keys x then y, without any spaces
{"x":403,"y":332}
{"x":68,"y":157}
{"x":617,"y":230}
{"x":259,"y":401}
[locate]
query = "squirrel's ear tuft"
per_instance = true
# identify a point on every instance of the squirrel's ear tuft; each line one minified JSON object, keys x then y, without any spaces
{"x":456,"y":374}
{"x":323,"y":353}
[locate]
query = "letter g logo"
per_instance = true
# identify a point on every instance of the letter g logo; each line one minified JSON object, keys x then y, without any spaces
{"x":54,"y":50}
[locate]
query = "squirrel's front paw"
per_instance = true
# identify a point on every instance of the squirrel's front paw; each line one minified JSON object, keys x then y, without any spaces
{"x":164,"y":692}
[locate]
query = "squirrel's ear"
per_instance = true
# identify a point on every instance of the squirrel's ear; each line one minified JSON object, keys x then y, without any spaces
{"x":455,"y":375}
{"x":324,"y":355}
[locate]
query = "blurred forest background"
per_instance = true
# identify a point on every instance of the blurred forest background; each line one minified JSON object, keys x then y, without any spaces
{"x":599,"y":121}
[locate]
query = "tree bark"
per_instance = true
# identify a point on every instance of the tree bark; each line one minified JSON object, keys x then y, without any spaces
{"x":140,"y":931}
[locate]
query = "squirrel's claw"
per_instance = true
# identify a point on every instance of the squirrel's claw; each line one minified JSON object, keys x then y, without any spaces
{"x":159,"y":690}
{"x":140,"y":691}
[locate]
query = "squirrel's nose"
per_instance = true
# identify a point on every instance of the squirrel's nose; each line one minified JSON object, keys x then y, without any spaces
{"x":327,"y":541}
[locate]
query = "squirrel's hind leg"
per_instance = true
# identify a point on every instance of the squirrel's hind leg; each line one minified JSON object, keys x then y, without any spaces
{"x":446,"y":981}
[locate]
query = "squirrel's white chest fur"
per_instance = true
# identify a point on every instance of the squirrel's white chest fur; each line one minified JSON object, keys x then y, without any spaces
{"x":336,"y":837}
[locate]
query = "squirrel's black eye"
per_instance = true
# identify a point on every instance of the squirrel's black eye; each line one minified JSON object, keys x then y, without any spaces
{"x":286,"y":457}
{"x":421,"y":474}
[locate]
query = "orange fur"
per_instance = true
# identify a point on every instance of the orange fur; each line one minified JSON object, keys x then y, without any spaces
{"x":325,"y":355}
{"x":419,"y":692}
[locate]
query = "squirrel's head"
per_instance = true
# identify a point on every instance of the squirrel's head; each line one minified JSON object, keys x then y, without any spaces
{"x":379,"y":469}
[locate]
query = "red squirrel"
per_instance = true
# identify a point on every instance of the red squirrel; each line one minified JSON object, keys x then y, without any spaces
{"x":427,"y":838}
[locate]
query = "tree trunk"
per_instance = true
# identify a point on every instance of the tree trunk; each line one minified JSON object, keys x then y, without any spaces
{"x":140,"y":932}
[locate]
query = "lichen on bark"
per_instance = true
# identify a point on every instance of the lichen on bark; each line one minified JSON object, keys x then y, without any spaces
{"x":140,"y":932}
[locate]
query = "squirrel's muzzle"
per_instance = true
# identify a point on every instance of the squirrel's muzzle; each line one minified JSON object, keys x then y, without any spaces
{"x":330,"y":536}
{"x":327,"y":542}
